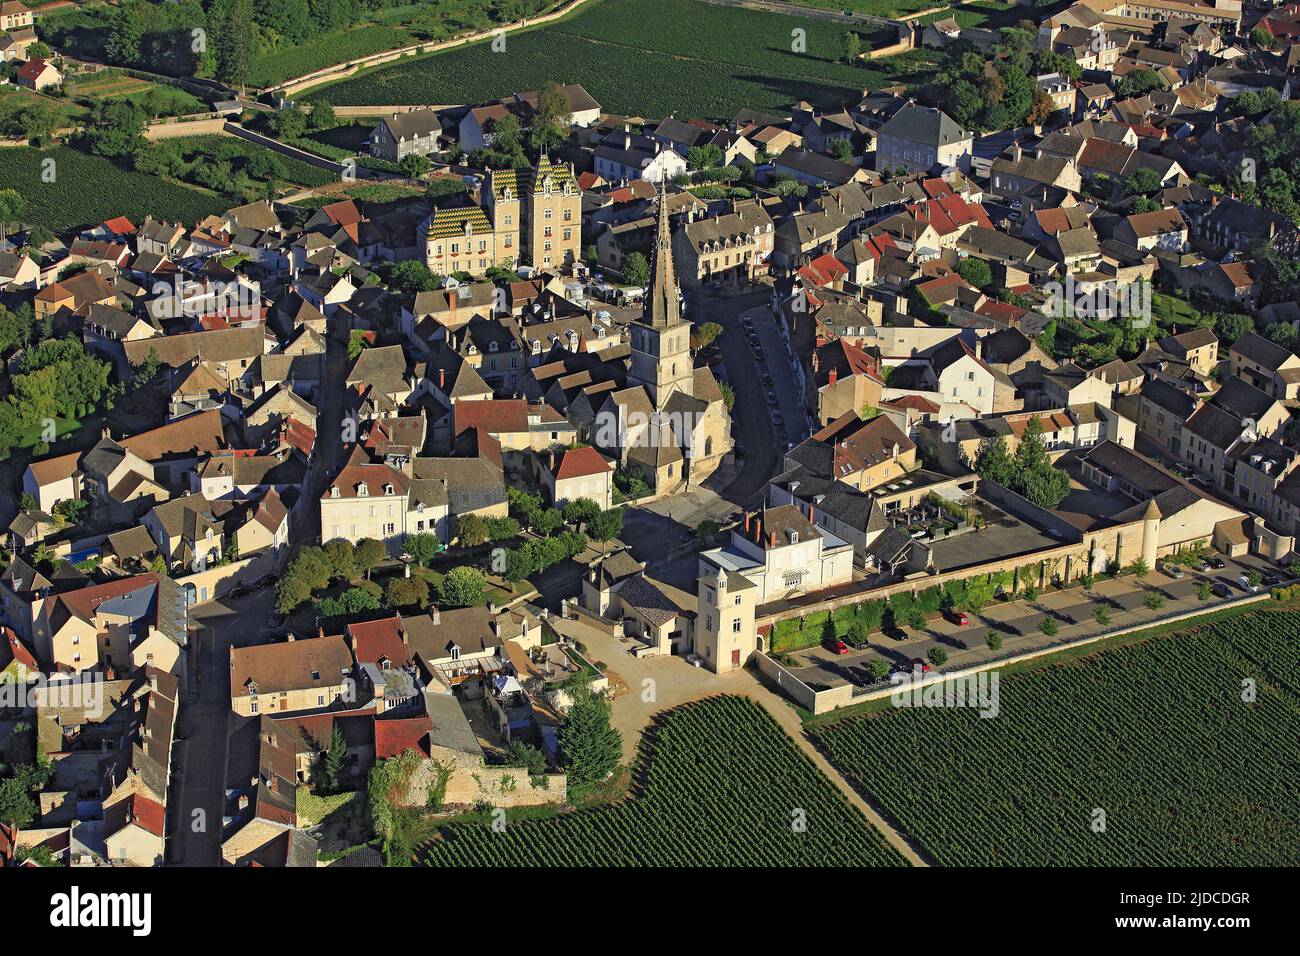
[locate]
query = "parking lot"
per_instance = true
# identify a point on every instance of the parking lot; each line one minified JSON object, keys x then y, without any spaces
{"x":1017,"y":622}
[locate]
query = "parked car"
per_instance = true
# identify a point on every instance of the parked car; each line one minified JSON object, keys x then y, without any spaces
{"x":1201,"y":566}
{"x":777,"y":417}
{"x":1244,"y":581}
{"x":1174,"y":571}
{"x":960,"y":618}
{"x":1218,"y":563}
{"x":771,"y":399}
{"x":916,"y":662}
{"x":1221,"y":590}
{"x":759,"y":353}
{"x":836,"y":646}
{"x":1270,"y":580}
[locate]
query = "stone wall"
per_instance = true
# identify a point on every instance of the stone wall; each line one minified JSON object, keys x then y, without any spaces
{"x":472,"y":782}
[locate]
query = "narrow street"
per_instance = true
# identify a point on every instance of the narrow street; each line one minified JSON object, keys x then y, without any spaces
{"x":199,"y":757}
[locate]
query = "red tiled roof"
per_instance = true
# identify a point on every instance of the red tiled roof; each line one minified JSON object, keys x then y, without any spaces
{"x":374,"y":477}
{"x":577,"y":462}
{"x":18,"y":651}
{"x":373,"y":640}
{"x":119,"y":226}
{"x":494,"y":415}
{"x":147,"y":814}
{"x":395,"y":737}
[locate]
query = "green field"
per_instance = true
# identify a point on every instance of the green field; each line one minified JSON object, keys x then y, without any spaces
{"x":237,"y":154}
{"x":114,"y":85}
{"x":85,"y":31}
{"x":682,"y":56}
{"x":719,"y":783}
{"x":1155,"y":734}
{"x":89,"y":189}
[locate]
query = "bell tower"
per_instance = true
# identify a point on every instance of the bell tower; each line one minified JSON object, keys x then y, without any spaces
{"x":661,"y":340}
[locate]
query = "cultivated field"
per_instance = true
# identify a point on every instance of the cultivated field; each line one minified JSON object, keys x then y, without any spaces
{"x":89,"y":189}
{"x":1155,"y":735}
{"x":682,"y":56}
{"x":718,"y":784}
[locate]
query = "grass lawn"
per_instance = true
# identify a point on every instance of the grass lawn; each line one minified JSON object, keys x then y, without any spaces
{"x":62,"y":426}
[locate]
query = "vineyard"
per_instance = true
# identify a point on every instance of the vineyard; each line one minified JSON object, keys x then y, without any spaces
{"x":1156,"y":736}
{"x":89,"y":189}
{"x":719,"y":783}
{"x":681,"y":56}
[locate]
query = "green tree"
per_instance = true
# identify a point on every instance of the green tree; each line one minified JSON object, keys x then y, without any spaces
{"x":879,"y":668}
{"x":938,"y":656}
{"x":462,"y":587}
{"x":12,"y":209}
{"x":368,"y":554}
{"x":636,"y":270}
{"x":421,"y":548}
{"x":993,"y":462}
{"x":580,"y":510}
{"x":1154,"y":601}
{"x":472,"y":531}
{"x":417,"y":167}
{"x":335,"y":757}
{"x":1049,"y":626}
{"x":1203,"y":591}
{"x":589,"y":746}
{"x":851,"y":44}
{"x":976,"y":272}
{"x":994,"y":640}
{"x":406,"y":592}
{"x":17,"y":808}
{"x":707,"y":334}
{"x":322,"y":115}
{"x":1140,"y":568}
{"x":235,"y":43}
{"x":606,"y":526}
{"x":553,"y":117}
{"x":521,"y":754}
{"x":546,"y":521}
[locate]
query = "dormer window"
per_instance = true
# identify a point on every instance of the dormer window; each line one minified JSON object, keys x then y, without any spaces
{"x":492,"y":346}
{"x":455,"y":653}
{"x":388,"y":488}
{"x":793,"y":536}
{"x":334,"y":492}
{"x":362,"y":490}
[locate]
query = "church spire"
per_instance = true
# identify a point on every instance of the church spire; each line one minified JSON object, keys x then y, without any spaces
{"x":662,"y":305}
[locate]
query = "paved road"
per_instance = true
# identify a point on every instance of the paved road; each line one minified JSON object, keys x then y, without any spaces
{"x":751,"y":420}
{"x":199,"y":773}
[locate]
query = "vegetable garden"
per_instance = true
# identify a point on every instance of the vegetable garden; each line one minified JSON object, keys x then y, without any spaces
{"x":1162,"y":737}
{"x":719,"y":783}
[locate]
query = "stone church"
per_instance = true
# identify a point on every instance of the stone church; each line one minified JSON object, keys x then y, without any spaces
{"x":670,"y":422}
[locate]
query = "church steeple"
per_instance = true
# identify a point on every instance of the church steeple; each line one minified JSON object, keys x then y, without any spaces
{"x":662,"y":306}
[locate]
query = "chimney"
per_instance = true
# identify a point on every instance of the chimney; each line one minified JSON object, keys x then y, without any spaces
{"x":552,"y":460}
{"x":442,"y":380}
{"x":833,"y":376}
{"x":771,"y":539}
{"x":153,"y":681}
{"x":434,"y":614}
{"x":243,"y":802}
{"x":810,"y":514}
{"x":320,"y":630}
{"x":746,"y":524}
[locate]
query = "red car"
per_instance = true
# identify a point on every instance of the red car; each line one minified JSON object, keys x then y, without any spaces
{"x":917,"y":662}
{"x":839,"y":647}
{"x":960,"y":617}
